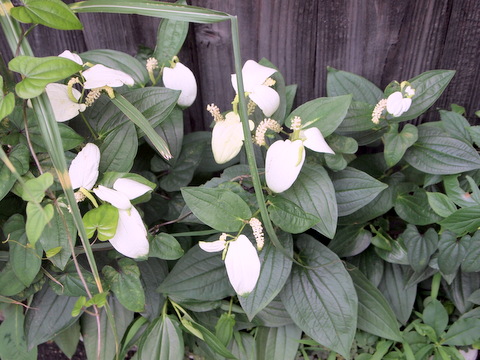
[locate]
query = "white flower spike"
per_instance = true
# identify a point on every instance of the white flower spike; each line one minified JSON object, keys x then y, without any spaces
{"x":63,"y":107}
{"x":243,"y":265}
{"x":130,"y":238}
{"x":227,"y":138}
{"x":99,"y":75}
{"x":242,"y":261}
{"x":283,"y":164}
{"x":254,"y":77}
{"x":83,"y":170}
{"x":181,"y":78}
{"x":285,"y":158}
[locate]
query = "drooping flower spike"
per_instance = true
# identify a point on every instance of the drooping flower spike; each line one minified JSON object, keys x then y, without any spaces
{"x":285,"y":158}
{"x":227,"y":135}
{"x":396,"y":103}
{"x":130,"y":238}
{"x":257,"y":85}
{"x":83,"y":170}
{"x":64,"y":108}
{"x":241,"y":261}
{"x":180,"y":77}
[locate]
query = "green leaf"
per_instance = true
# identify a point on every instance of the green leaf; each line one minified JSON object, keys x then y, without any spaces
{"x":172,"y":130}
{"x":397,"y":143}
{"x":9,"y":283}
{"x":350,"y":240}
{"x":171,"y":35}
{"x":354,"y":189}
{"x":126,"y":285}
{"x":152,"y":273}
{"x":181,"y":173}
{"x":37,"y":218}
{"x":436,"y":152}
{"x":19,"y":157}
{"x":463,"y":220}
{"x":326,"y":114}
{"x":415,"y":209}
{"x":218,"y":208}
{"x":212,"y":341}
{"x":198,"y":275}
{"x":428,"y":88}
{"x":290,"y":217}
{"x":460,"y":289}
{"x":57,"y":234}
{"x":456,"y":193}
{"x":436,"y":316}
{"x":34,"y":189}
{"x":108,"y":339}
{"x":163,"y":340}
{"x":274,"y":272}
{"x":343,"y":83}
{"x":7,"y":104}
{"x":399,"y":297}
{"x":441,"y":204}
{"x":471,"y":262}
{"x":279,"y":343}
{"x":463,"y":332}
{"x":224,"y":328}
{"x":48,"y":315}
{"x":152,"y":8}
{"x":451,"y":251}
{"x":39,"y":72}
{"x":119,"y":149}
{"x":119,"y":61}
{"x":321,"y":298}
{"x":419,"y":247}
{"x":375,"y":315}
{"x":68,"y":339}
{"x":26,"y":259}
{"x":313,"y":191}
{"x":68,"y":283}
{"x":103,"y":220}
{"x":51,"y":13}
{"x":455,"y":124}
{"x":12,"y":335}
{"x":165,"y":246}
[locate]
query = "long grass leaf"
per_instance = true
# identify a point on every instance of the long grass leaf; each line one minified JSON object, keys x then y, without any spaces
{"x":138,"y":119}
{"x":151,"y":8}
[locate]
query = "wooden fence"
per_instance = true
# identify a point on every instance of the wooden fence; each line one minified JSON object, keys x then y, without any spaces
{"x":382,"y":40}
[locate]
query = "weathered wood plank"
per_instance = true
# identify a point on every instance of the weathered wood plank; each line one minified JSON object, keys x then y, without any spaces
{"x":380,"y":40}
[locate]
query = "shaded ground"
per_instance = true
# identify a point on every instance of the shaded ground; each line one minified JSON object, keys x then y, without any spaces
{"x":50,"y":351}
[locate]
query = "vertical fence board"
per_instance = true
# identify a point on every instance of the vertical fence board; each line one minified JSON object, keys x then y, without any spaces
{"x":380,"y":40}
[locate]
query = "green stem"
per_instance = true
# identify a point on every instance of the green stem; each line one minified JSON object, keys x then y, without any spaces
{"x":332,"y":355}
{"x":436,"y":280}
{"x":257,"y":185}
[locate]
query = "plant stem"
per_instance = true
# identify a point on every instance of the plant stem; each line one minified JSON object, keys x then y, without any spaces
{"x":243,"y":112}
{"x":436,"y":280}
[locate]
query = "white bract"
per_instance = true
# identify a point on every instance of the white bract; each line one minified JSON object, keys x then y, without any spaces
{"x":130,"y":238}
{"x":100,"y":75}
{"x":242,"y":262}
{"x":254,"y":77}
{"x":227,"y":137}
{"x":285,"y":158}
{"x":397,"y":104}
{"x":71,"y":56}
{"x":63,"y":107}
{"x":83,"y":170}
{"x":181,"y":78}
